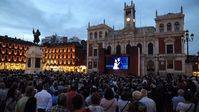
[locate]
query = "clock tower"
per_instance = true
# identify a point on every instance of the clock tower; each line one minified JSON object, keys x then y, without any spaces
{"x":129,"y":15}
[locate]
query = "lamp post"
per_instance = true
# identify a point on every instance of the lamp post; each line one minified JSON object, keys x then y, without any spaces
{"x":188,"y":38}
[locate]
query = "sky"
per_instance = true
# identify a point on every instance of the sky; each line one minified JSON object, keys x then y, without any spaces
{"x":70,"y":17}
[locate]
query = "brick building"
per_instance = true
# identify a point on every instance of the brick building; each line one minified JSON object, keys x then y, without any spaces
{"x":155,"y":49}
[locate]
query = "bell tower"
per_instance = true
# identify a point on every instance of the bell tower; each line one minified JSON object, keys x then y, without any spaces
{"x":129,"y":15}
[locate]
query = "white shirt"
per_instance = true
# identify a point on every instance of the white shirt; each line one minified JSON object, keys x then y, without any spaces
{"x":149,"y":103}
{"x":109,"y":105}
{"x":96,"y":108}
{"x":122,"y":105}
{"x":44,"y":100}
{"x":185,"y":107}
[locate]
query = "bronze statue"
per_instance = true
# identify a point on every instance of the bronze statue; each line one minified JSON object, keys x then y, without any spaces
{"x":36,"y":36}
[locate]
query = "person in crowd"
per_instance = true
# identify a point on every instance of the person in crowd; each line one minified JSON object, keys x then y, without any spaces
{"x":44,"y":99}
{"x":186,"y":106}
{"x":135,"y":105}
{"x":61,"y":106}
{"x":78,"y":104}
{"x":88,"y":99}
{"x":95,"y":103}
{"x":22,"y":102}
{"x":31,"y":105}
{"x":123,"y":102}
{"x":177,"y":99}
{"x":3,"y":94}
{"x":148,"y":102}
{"x":109,"y":103}
{"x":70,"y":94}
{"x":12,"y":97}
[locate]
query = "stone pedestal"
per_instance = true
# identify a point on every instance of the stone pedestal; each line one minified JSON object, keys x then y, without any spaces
{"x":34,"y":60}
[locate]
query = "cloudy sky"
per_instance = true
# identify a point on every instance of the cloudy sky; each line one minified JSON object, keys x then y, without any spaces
{"x":70,"y":17}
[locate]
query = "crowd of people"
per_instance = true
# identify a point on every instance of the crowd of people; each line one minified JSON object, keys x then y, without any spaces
{"x":75,"y":92}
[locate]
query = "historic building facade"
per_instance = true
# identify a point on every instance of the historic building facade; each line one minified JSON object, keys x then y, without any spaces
{"x":13,"y":53}
{"x":157,"y":50}
{"x":67,"y":57}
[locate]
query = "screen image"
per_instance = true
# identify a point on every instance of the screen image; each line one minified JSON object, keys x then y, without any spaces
{"x":117,"y":62}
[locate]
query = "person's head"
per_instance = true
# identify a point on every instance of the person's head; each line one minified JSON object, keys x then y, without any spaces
{"x":2,"y":85}
{"x":40,"y":86}
{"x":109,"y":94}
{"x":187,"y":96}
{"x":77,"y":102}
{"x":125,"y":95}
{"x":62,"y":100}
{"x":29,"y":91}
{"x":144,"y":92}
{"x":180,"y":92}
{"x":95,"y":98}
{"x":136,"y":95}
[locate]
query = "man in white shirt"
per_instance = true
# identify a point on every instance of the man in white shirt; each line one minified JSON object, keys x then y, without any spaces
{"x":44,"y":100}
{"x":148,"y":102}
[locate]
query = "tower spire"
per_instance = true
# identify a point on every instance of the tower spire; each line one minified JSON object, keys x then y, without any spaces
{"x":104,"y":21}
{"x":131,"y":2}
{"x":156,"y":13}
{"x":181,"y":8}
{"x":89,"y":24}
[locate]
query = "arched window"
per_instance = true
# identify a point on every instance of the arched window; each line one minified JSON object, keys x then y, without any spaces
{"x":140,"y":47}
{"x":177,"y":26}
{"x":109,"y":50}
{"x":150,"y":48}
{"x":161,"y":27}
{"x":106,"y":34}
{"x":95,"y":35}
{"x":91,"y":35}
{"x":100,"y":34}
{"x":118,"y":49}
{"x":169,"y":27}
{"x":128,"y":48}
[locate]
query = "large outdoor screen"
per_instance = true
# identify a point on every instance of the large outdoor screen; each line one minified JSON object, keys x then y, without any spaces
{"x":117,"y":62}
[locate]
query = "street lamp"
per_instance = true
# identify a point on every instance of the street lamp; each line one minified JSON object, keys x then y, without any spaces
{"x":188,"y":38}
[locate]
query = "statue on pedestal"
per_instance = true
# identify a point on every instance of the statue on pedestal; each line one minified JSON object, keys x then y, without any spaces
{"x":36,"y":36}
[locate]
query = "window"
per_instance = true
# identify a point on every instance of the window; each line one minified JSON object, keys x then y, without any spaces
{"x":118,"y":49}
{"x":106,"y":34}
{"x":95,"y":35}
{"x":161,"y":27}
{"x":169,"y":27}
{"x":128,"y":49}
{"x":91,"y":35}
{"x":29,"y":62}
{"x":169,"y":49}
{"x":90,"y":65}
{"x":95,"y":52}
{"x":95,"y":64}
{"x":169,"y":64}
{"x":37,"y":63}
{"x":177,"y":26}
{"x":150,"y":48}
{"x":109,"y":50}
{"x":100,"y":34}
